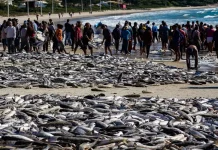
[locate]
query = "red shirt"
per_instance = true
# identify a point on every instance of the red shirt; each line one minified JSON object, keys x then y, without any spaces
{"x":183,"y":32}
{"x":210,"y":32}
{"x":78,"y":33}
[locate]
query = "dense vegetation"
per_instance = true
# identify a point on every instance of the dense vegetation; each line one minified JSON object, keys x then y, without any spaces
{"x":75,"y":8}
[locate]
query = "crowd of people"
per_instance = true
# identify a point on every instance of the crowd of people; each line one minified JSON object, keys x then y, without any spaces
{"x":178,"y":37}
{"x":18,"y":37}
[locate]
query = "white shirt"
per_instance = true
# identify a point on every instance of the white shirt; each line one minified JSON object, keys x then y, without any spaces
{"x":23,"y":32}
{"x":10,"y":32}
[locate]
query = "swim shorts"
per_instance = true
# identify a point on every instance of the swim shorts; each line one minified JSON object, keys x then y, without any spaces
{"x":107,"y":43}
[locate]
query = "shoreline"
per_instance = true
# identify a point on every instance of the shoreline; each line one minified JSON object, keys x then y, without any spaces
{"x":83,"y":15}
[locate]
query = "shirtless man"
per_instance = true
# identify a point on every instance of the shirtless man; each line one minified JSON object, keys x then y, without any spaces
{"x":192,"y":51}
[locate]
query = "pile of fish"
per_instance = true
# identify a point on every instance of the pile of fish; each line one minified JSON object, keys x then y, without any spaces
{"x":60,"y":70}
{"x":102,"y":123}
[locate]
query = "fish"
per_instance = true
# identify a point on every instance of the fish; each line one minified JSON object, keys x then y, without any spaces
{"x":43,"y":71}
{"x":102,"y":122}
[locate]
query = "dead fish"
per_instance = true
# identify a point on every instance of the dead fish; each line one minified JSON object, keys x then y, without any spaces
{"x":132,"y":95}
{"x":97,"y":90}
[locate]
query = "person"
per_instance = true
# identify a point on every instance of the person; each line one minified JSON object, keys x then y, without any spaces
{"x":154,"y":31}
{"x":59,"y":36}
{"x":46,"y":34}
{"x":88,"y":35}
{"x":72,"y":36}
{"x":192,"y":51}
{"x":116,"y":35}
{"x":215,"y":40}
{"x":148,"y":40}
{"x":59,"y":15}
{"x":68,"y":30}
{"x":30,"y":33}
{"x":170,"y":37}
{"x":107,"y":39}
{"x":134,"y":34}
{"x":148,"y":24}
{"x":209,"y":35}
{"x":176,"y":42}
{"x":10,"y":35}
{"x":164,"y":35}
{"x":17,"y":39}
{"x":37,"y":16}
{"x":141,"y":32}
{"x":78,"y":36}
{"x":23,"y":37}
{"x":189,"y":35}
{"x":125,"y":35}
{"x":129,"y":27}
{"x":202,"y":34}
{"x":182,"y":40}
{"x":35,"y":25}
{"x":196,"y":37}
{"x":3,"y":35}
{"x":49,"y":14}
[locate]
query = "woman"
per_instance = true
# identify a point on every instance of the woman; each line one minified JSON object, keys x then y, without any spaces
{"x":3,"y":35}
{"x":30,"y":33}
{"x":148,"y":40}
{"x":209,"y":34}
{"x":59,"y":37}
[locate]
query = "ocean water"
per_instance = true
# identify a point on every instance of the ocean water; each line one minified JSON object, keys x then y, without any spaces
{"x":209,"y":16}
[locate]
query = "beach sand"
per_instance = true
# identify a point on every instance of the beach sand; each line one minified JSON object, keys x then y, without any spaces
{"x":163,"y":91}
